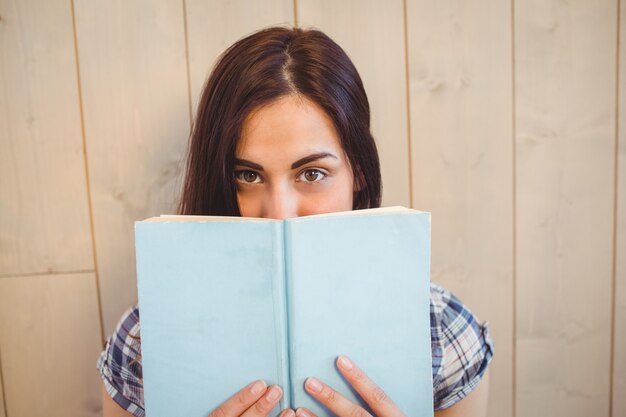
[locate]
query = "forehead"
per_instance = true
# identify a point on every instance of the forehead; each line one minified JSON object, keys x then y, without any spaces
{"x":293,"y":125}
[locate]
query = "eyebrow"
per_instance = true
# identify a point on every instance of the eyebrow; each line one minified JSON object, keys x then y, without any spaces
{"x":297,"y":164}
{"x":311,"y":158}
{"x":249,"y":164}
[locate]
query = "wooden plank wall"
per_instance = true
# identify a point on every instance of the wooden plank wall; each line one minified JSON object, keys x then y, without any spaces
{"x":49,"y":322}
{"x":565,"y":83}
{"x":44,"y":227}
{"x":619,"y":345}
{"x":3,"y":411}
{"x":499,"y":117}
{"x":461,"y":141}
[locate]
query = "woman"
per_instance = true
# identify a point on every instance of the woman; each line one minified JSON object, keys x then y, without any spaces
{"x":283,"y":130}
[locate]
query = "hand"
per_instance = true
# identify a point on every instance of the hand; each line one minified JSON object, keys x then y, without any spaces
{"x":254,"y":400}
{"x":374,"y":396}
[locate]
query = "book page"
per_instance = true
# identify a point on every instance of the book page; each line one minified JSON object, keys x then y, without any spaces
{"x":364,"y":212}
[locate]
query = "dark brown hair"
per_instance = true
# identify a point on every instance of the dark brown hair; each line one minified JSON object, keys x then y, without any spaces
{"x":256,"y":71}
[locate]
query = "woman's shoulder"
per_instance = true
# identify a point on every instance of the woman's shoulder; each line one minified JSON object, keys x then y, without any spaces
{"x":461,"y":347}
{"x":119,"y":364}
{"x":128,"y":324}
{"x":449,"y":315}
{"x":126,"y":337}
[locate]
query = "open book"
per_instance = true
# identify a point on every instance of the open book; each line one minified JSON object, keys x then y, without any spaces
{"x":224,"y":301}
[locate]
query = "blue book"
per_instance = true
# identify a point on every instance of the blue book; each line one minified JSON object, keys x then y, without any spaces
{"x":228,"y":300}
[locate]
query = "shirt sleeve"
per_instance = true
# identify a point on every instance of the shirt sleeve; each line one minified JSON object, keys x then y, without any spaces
{"x":461,"y":346}
{"x":119,"y":364}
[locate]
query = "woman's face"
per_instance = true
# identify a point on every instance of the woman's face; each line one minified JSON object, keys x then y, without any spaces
{"x":289,"y":162}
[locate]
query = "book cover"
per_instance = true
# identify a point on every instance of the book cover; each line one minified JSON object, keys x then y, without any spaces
{"x":224,"y":301}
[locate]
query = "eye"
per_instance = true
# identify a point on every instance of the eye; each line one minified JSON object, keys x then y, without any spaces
{"x":311,"y":175}
{"x":248,"y":177}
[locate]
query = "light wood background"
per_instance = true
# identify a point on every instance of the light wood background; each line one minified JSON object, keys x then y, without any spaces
{"x":502,"y":118}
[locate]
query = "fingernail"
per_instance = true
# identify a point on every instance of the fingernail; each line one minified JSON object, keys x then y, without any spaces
{"x":314,"y":385}
{"x":344,"y":363}
{"x":300,"y":412}
{"x":257,"y":387}
{"x":288,"y":413}
{"x":273,"y":394}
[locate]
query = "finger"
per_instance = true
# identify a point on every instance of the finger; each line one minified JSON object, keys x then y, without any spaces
{"x":241,"y":401}
{"x":265,"y":404}
{"x":334,"y":401}
{"x":288,"y":412}
{"x":371,"y":393}
{"x":304,"y":412}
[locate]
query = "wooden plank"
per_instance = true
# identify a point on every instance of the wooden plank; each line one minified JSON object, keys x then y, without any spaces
{"x":135,"y":101}
{"x":565,"y":143}
{"x":50,"y":341}
{"x":372,"y":33}
{"x":44,"y":215}
{"x":214,"y":26}
{"x":619,"y":329}
{"x":462,"y":139}
{"x":3,"y":406}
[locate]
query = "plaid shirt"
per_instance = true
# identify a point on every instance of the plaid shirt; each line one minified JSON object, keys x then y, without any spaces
{"x":461,"y":351}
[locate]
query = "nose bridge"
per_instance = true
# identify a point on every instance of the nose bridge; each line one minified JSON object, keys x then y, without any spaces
{"x":282,"y":201}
